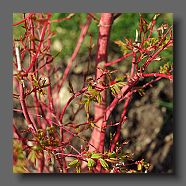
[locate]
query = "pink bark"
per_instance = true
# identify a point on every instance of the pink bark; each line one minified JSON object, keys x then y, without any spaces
{"x":98,"y":135}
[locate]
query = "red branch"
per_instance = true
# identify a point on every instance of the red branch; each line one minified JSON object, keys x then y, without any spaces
{"x":168,"y":76}
{"x":156,"y":54}
{"x":69,"y":101}
{"x":22,"y":21}
{"x":118,"y":60}
{"x":98,"y":135}
{"x":39,"y":47}
{"x":24,"y":107}
{"x":118,"y":132}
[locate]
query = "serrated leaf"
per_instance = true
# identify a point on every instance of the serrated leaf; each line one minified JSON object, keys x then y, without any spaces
{"x":104,"y":164}
{"x":96,"y":155}
{"x":73,"y":163}
{"x":91,"y":163}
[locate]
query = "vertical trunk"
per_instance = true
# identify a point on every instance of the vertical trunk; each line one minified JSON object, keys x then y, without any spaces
{"x":98,"y":135}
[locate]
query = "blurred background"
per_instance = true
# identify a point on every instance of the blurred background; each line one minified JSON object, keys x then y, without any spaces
{"x":149,"y":127}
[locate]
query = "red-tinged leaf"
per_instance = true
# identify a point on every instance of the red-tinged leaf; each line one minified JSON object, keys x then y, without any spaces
{"x":112,"y":160}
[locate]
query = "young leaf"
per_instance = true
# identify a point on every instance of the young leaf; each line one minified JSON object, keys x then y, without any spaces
{"x":92,"y":92}
{"x":112,"y":154}
{"x":113,"y":91}
{"x":91,"y":163}
{"x":122,"y":45}
{"x":116,"y":88}
{"x":96,"y":155}
{"x":104,"y":163}
{"x":119,"y":78}
{"x":99,"y":98}
{"x":78,"y":168}
{"x":139,"y":167}
{"x":87,"y":106}
{"x":121,"y":84}
{"x":73,"y":163}
{"x":20,"y":169}
{"x":32,"y":156}
{"x":89,"y":87}
{"x":92,"y":123}
{"x":113,"y":160}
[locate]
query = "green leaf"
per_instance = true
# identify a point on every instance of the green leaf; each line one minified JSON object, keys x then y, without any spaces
{"x":122,"y":45}
{"x":99,"y":98}
{"x":32,"y":156}
{"x":113,"y":160}
{"x":139,"y":167}
{"x":92,"y":123}
{"x":92,"y":92}
{"x":116,"y":88}
{"x":87,"y":105}
{"x":89,"y":87}
{"x":96,"y":155}
{"x":121,"y":84}
{"x":119,"y":79}
{"x":104,"y":164}
{"x":78,"y":169}
{"x":73,"y":163}
{"x":112,"y":154}
{"x":91,"y":163}
{"x":113,"y":91}
{"x":37,"y":148}
{"x":19,"y":169}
